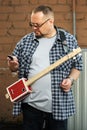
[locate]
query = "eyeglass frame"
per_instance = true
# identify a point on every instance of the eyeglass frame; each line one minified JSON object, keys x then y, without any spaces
{"x":37,"y":25}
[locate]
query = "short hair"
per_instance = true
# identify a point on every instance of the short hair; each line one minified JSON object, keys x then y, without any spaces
{"x":46,"y":10}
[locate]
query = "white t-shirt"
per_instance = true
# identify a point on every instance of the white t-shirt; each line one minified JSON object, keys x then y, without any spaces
{"x":41,"y":97}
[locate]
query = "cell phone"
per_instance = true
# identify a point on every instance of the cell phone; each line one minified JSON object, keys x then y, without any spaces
{"x":11,"y":57}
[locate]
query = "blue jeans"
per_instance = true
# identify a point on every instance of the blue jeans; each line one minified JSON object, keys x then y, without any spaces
{"x":34,"y":119}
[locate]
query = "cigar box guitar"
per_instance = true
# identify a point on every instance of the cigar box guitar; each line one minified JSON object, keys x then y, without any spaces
{"x":21,"y":88}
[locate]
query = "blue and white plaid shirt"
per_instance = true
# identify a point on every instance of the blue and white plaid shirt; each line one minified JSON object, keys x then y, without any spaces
{"x":62,"y":102}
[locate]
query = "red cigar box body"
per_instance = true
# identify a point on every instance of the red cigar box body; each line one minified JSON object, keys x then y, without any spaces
{"x":18,"y":90}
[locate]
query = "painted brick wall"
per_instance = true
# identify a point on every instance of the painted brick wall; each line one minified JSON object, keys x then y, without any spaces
{"x":14,"y":19}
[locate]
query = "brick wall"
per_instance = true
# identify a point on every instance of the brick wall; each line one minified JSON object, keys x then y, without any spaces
{"x":14,"y":18}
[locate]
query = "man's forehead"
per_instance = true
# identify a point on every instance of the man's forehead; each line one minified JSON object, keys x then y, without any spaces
{"x":38,"y":15}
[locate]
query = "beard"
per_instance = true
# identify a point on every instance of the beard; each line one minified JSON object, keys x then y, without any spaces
{"x":38,"y":34}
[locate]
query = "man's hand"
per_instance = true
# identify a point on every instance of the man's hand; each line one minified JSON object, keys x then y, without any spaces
{"x":66,"y":84}
{"x":13,"y":63}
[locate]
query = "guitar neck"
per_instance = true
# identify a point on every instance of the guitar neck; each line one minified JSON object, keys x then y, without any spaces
{"x":52,"y":66}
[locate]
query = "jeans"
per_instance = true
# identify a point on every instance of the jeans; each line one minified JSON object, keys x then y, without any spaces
{"x":34,"y":119}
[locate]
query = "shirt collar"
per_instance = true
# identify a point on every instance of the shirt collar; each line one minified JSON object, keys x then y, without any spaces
{"x":58,"y":34}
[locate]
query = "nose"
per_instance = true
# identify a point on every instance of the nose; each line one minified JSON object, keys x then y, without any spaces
{"x":34,"y":27}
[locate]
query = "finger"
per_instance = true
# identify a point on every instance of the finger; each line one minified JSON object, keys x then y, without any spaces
{"x":66,"y":90}
{"x":10,"y":57}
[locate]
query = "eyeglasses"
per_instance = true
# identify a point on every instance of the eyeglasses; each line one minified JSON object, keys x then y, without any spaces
{"x":38,"y":25}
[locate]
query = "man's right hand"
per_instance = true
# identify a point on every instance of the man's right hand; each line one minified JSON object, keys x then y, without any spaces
{"x":13,"y":63}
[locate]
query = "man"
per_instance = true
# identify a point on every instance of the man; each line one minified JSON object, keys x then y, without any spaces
{"x":51,"y":98}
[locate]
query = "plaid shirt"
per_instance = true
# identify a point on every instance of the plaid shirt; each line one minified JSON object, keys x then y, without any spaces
{"x":63,"y":104}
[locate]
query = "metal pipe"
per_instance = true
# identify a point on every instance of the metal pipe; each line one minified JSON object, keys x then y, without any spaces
{"x":74,"y":18}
